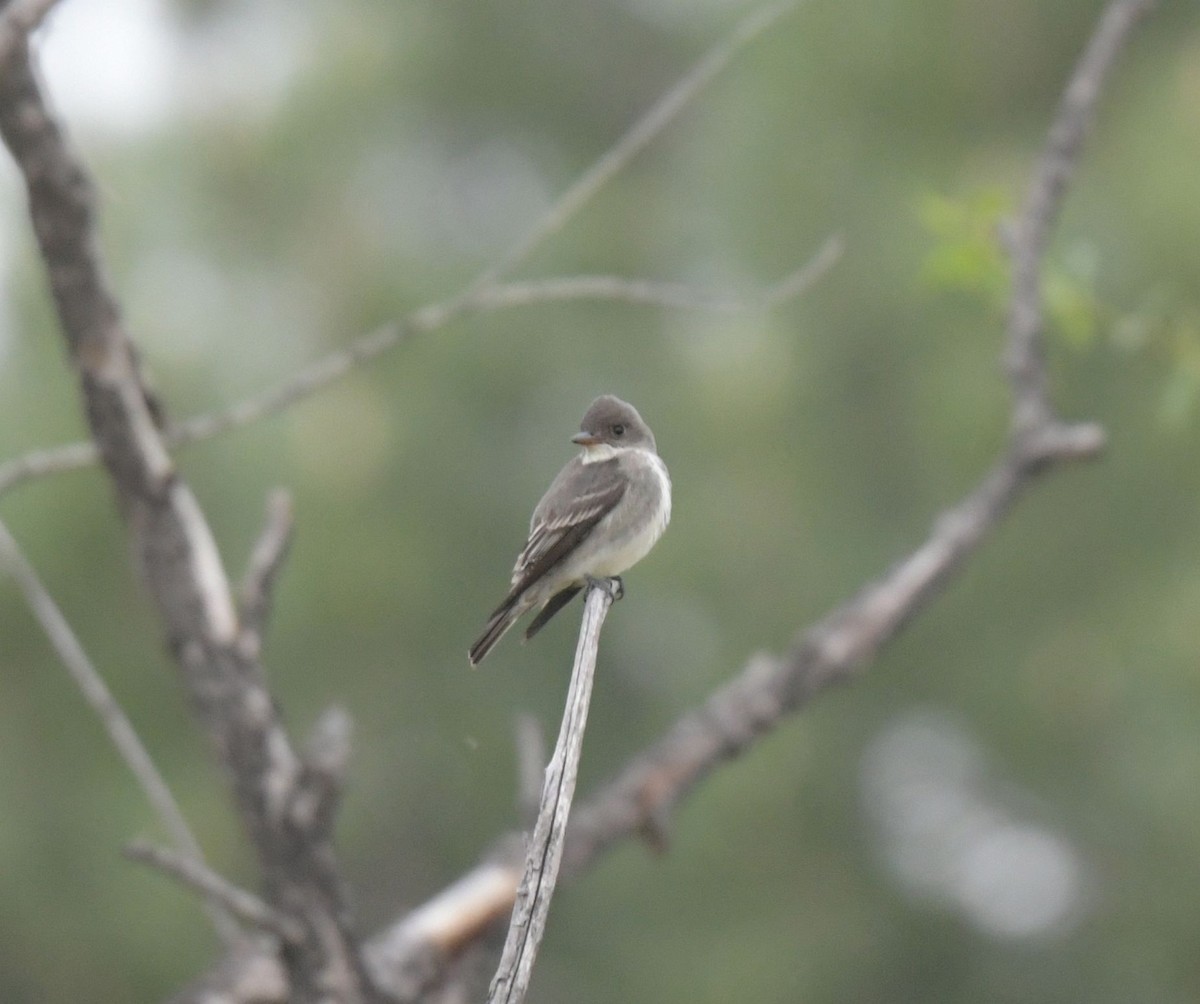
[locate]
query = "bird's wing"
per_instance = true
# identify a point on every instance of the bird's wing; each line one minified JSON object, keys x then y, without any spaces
{"x":581,"y":496}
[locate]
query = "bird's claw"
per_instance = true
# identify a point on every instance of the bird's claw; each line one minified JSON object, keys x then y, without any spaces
{"x":614,"y":587}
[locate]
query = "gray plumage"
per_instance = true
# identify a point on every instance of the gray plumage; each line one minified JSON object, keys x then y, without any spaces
{"x":600,"y":516}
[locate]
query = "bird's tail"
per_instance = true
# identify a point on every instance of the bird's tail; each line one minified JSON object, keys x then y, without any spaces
{"x":505,"y":616}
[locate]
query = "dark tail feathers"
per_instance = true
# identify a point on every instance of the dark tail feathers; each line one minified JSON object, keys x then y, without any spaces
{"x":505,"y":616}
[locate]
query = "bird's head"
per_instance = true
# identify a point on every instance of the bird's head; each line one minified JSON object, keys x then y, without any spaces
{"x":612,"y":424}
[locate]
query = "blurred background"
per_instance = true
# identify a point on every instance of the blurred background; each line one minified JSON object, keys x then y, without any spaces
{"x":1005,"y":808}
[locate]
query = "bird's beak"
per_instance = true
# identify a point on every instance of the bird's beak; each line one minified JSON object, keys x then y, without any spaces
{"x":585,"y":439}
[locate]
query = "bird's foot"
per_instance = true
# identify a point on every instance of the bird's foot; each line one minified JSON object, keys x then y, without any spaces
{"x":614,"y":586}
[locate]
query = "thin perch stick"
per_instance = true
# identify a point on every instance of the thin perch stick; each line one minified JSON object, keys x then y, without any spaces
{"x":544,"y":852}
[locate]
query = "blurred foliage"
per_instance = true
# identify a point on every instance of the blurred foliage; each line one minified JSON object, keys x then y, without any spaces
{"x":968,"y":254}
{"x":967,"y":257}
{"x":1003,"y":809}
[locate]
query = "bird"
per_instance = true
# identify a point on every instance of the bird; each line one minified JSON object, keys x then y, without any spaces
{"x":600,"y":516}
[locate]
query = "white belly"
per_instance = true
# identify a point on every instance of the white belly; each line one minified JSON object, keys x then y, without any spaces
{"x":631,"y":548}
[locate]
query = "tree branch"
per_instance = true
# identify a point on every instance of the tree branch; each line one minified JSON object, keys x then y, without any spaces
{"x":268,"y":556}
{"x":545,"y":849}
{"x":1025,"y":353}
{"x":18,"y":20}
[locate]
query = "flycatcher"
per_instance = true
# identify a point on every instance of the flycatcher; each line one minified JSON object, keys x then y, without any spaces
{"x":600,"y":516}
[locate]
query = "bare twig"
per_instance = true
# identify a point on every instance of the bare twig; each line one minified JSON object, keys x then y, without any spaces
{"x":807,"y":275}
{"x":544,"y":853}
{"x":18,"y":20}
{"x":43,"y":463}
{"x":323,"y":775}
{"x":200,"y":878}
{"x":1055,"y":167}
{"x":324,"y":371}
{"x":472,"y":300}
{"x":662,"y":294}
{"x":270,"y":551}
{"x":112,"y":716}
{"x":636,"y":138}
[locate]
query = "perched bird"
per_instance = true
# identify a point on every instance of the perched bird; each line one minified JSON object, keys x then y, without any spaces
{"x":600,"y":516}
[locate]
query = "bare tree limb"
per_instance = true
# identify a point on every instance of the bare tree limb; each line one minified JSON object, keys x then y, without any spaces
{"x":18,"y":20}
{"x":502,"y":296}
{"x":472,"y":300}
{"x":545,"y":849}
{"x":197,"y":876}
{"x":43,"y":463}
{"x":112,"y":716}
{"x":1025,"y":353}
{"x":179,"y":559}
{"x":268,"y":556}
{"x":801,"y":280}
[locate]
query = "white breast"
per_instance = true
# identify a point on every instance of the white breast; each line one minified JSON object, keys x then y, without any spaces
{"x":631,"y":547}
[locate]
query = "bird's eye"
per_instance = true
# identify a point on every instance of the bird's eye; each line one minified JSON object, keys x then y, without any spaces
{"x":618,"y":429}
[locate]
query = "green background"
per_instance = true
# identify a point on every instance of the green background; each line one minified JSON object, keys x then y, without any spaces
{"x":1005,"y":808}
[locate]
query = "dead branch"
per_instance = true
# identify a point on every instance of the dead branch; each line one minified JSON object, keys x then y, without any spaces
{"x":20,"y":18}
{"x":544,"y":853}
{"x":266,"y":559}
